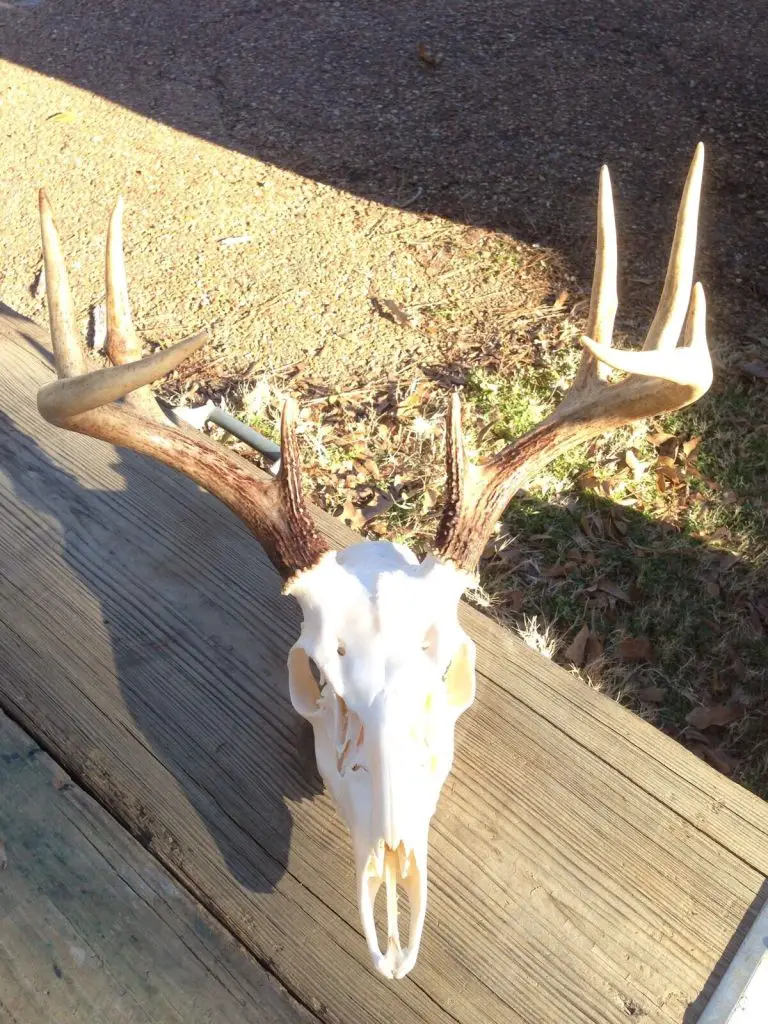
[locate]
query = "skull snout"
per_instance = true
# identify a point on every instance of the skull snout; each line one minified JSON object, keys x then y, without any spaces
{"x":401,"y":807}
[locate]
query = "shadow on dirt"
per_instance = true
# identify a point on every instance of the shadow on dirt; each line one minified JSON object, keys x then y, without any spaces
{"x":492,"y":113}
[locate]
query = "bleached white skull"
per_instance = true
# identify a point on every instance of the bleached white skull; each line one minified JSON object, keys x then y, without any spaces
{"x":382,"y":670}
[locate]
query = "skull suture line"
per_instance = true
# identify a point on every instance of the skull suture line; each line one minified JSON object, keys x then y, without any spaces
{"x":382,"y":669}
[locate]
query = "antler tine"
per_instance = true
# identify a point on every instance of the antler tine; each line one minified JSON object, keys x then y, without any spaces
{"x":604,"y":299}
{"x":67,"y":350}
{"x":122,"y":345}
{"x":272,"y":508}
{"x":664,"y":332}
{"x":660,"y":378}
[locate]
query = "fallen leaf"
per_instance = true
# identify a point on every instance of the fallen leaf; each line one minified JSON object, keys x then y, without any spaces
{"x":637,"y":467}
{"x":614,"y":590}
{"x":369,"y":466}
{"x":429,"y":499}
{"x":234,"y":240}
{"x":588,"y":481}
{"x":594,"y":651}
{"x":652,"y":694}
{"x":62,"y":117}
{"x":719,"y":760}
{"x":516,"y":599}
{"x":391,"y":311}
{"x":383,"y":503}
{"x":432,"y":60}
{"x":561,"y":300}
{"x":657,"y":440}
{"x":715,"y":714}
{"x":755,"y":369}
{"x":352,"y":516}
{"x":638,"y":648}
{"x":690,"y":446}
{"x":692,"y":737}
{"x":576,"y":649}
{"x":666,"y":466}
{"x":558,"y":570}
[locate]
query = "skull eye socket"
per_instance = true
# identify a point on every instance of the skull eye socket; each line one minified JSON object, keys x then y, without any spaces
{"x":305,"y":682}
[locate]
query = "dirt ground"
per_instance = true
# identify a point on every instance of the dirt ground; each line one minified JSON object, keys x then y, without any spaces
{"x":368,"y":204}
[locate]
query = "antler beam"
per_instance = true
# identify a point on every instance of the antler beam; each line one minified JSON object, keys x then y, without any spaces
{"x":660,"y":378}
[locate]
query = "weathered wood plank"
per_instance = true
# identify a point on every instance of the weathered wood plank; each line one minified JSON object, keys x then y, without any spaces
{"x":93,"y":929}
{"x":584,"y":867}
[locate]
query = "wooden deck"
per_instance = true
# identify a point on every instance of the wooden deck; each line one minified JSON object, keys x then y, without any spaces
{"x":585,"y":868}
{"x":92,"y":929}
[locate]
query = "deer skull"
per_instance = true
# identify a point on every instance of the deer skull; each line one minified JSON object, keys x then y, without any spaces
{"x":382,"y":670}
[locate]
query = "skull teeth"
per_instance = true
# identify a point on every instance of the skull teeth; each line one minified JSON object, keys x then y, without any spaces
{"x":389,"y":867}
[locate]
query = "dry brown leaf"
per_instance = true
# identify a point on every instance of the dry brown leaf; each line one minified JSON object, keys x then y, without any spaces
{"x":558,"y":570}
{"x":652,"y":694}
{"x":515,"y":599}
{"x":369,"y":467}
{"x":658,"y":439}
{"x":717,"y":759}
{"x":638,"y":648}
{"x":352,"y":516}
{"x":715,"y":714}
{"x":561,"y":300}
{"x":588,"y":481}
{"x":613,"y":589}
{"x":755,"y":369}
{"x":429,"y":499}
{"x":576,"y":649}
{"x":690,"y":446}
{"x":383,"y":503}
{"x":594,"y":650}
{"x":432,"y":60}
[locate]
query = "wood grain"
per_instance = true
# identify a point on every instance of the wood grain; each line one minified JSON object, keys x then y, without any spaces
{"x":91,"y":927}
{"x":583,"y":866}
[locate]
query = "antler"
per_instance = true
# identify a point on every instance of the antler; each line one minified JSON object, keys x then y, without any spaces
{"x":661,"y":377}
{"x":116,"y":405}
